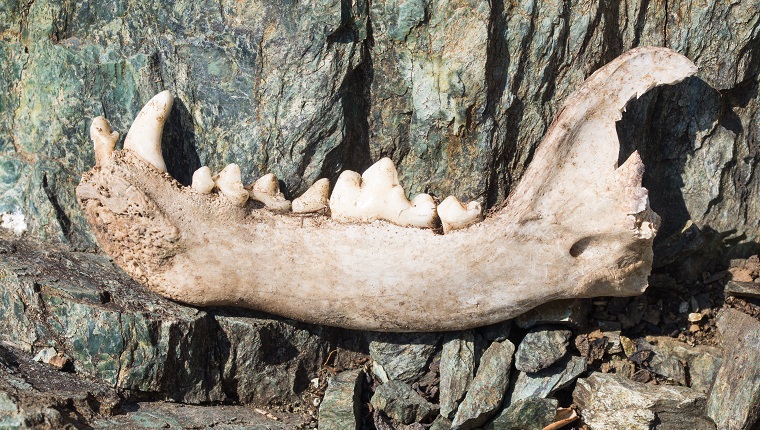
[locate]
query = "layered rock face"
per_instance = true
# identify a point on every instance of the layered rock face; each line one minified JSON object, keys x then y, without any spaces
{"x":457,"y":94}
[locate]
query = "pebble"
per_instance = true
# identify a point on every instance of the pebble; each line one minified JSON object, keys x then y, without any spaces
{"x":400,"y":402}
{"x":544,"y":383}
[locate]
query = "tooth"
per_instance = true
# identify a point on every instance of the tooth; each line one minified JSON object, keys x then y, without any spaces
{"x":316,"y":198}
{"x":203,"y":183}
{"x":103,"y":138}
{"x":455,"y":215}
{"x":422,"y":213}
{"x":344,"y":200}
{"x":230,"y":184}
{"x":266,"y":190}
{"x":144,"y":137}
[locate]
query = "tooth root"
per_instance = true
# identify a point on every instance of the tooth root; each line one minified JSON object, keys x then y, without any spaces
{"x":104,"y":140}
{"x":203,"y":182}
{"x":455,"y":215}
{"x":144,"y":137}
{"x":315,"y":199}
{"x":230,"y":184}
{"x":266,"y":190}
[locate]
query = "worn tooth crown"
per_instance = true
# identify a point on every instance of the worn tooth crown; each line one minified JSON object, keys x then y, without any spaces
{"x":230,"y":184}
{"x":315,"y":199}
{"x":103,"y":138}
{"x":266,"y":190}
{"x":455,"y":215}
{"x":203,"y":182}
{"x":144,"y":137}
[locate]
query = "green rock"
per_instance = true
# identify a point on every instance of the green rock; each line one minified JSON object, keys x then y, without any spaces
{"x":340,"y":408}
{"x":403,"y":356}
{"x":457,"y":370}
{"x":400,"y":402}
{"x":540,"y":348}
{"x":533,"y":413}
{"x":544,"y":383}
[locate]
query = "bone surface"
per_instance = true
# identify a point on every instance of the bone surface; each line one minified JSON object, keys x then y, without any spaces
{"x":376,"y":194}
{"x":103,"y":138}
{"x":266,"y":190}
{"x":576,"y":225}
{"x":230,"y":184}
{"x":315,"y":199}
{"x":144,"y":137}
{"x":455,"y":215}
{"x":203,"y":182}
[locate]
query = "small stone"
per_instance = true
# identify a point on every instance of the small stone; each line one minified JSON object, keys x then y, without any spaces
{"x":743,"y":289}
{"x":570,"y":312}
{"x":400,"y":402}
{"x":735,"y":395}
{"x":694,"y":328}
{"x":45,"y":354}
{"x":340,"y":408}
{"x":59,"y":361}
{"x":540,"y":348}
{"x":629,"y":347}
{"x":533,"y":413}
{"x":683,"y":307}
{"x":403,"y":356}
{"x":457,"y":370}
{"x":544,"y":383}
{"x":609,"y":401}
{"x":695,"y":317}
{"x":488,"y":388}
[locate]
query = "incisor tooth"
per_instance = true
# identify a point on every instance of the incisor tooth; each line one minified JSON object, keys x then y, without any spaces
{"x":203,"y":182}
{"x":230,"y":184}
{"x":103,"y":138}
{"x":455,"y":215}
{"x":144,"y":137}
{"x":266,"y":190}
{"x":315,"y":199}
{"x":376,"y":194}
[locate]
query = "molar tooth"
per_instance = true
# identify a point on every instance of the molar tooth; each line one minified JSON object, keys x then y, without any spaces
{"x":144,"y":136}
{"x":455,"y":215}
{"x":316,"y":198}
{"x":104,"y":140}
{"x":422,"y":213}
{"x":266,"y":190}
{"x":203,"y":182}
{"x":230,"y":184}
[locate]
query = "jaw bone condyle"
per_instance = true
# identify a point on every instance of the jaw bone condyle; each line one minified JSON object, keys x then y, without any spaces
{"x":374,"y":195}
{"x":576,"y":225}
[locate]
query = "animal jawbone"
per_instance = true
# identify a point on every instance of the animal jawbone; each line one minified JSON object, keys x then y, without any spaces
{"x":575,"y":226}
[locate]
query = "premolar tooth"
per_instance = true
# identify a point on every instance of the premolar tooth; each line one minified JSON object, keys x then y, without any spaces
{"x":144,"y":137}
{"x":266,"y":189}
{"x":455,"y":215}
{"x":230,"y":184}
{"x":315,"y":199}
{"x":103,"y":138}
{"x":203,"y":182}
{"x":377,"y":195}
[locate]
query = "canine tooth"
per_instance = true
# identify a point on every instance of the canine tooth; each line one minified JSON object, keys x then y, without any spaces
{"x":144,"y":137}
{"x":103,"y":138}
{"x":376,"y":194}
{"x":266,"y":190}
{"x":203,"y":182}
{"x":455,"y":215}
{"x":316,"y":198}
{"x":230,"y":184}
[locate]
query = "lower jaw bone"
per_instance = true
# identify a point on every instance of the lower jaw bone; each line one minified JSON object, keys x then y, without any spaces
{"x":575,"y":226}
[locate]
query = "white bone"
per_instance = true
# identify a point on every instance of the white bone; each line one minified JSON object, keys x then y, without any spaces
{"x":315,"y":199}
{"x":144,"y":137}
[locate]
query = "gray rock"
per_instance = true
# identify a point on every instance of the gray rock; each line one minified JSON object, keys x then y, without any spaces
{"x":487,"y":389}
{"x":544,"y":383}
{"x":612,"y":401}
{"x":457,"y":370}
{"x":533,"y":413}
{"x":340,"y":408}
{"x":703,"y":361}
{"x":441,"y":423}
{"x":743,"y":289}
{"x":735,"y":395}
{"x":570,"y":312}
{"x":403,"y":356}
{"x":400,"y":402}
{"x":669,"y":367}
{"x":540,"y":348}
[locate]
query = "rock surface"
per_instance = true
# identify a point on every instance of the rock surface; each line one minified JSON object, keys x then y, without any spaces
{"x":533,"y":413}
{"x":612,"y":401}
{"x":735,"y":396}
{"x":542,"y":384}
{"x":400,"y":402}
{"x":703,"y":361}
{"x":487,"y":389}
{"x":340,"y":408}
{"x":458,"y":95}
{"x":457,"y":370}
{"x":403,"y":356}
{"x":571,"y":312}
{"x":540,"y":348}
